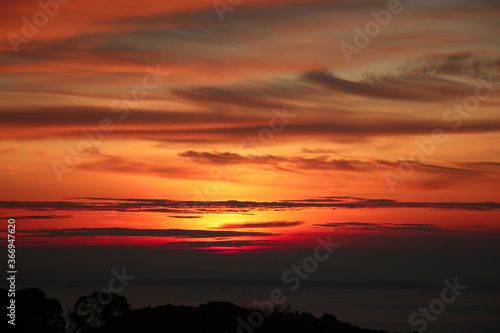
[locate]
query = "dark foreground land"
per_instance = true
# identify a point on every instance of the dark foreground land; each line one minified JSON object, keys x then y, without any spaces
{"x":111,"y":313}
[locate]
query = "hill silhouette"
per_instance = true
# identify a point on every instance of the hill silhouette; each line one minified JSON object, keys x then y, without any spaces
{"x":111,"y":313}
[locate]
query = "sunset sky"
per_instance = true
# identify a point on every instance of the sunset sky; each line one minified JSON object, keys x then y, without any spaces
{"x":249,"y":130}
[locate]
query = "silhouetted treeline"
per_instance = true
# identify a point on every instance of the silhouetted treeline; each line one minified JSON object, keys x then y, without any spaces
{"x":34,"y":312}
{"x":111,"y":313}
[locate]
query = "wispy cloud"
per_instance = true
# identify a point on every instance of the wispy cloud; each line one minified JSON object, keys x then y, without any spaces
{"x":258,"y":225}
{"x":39,"y":217}
{"x":368,"y":226}
{"x":235,"y":206}
{"x":280,"y":162}
{"x":127,"y":232}
{"x":227,"y":244}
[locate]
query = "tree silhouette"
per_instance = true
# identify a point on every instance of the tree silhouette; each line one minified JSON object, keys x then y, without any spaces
{"x":35,"y":312}
{"x":222,"y":317}
{"x":109,"y":313}
{"x":97,"y":310}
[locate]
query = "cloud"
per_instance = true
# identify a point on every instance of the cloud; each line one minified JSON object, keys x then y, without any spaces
{"x":216,"y":125}
{"x":438,"y":68}
{"x":367,"y":226}
{"x":234,"y":206}
{"x":319,"y":151}
{"x":325,"y":162}
{"x":224,"y":96}
{"x":332,"y":82}
{"x":220,"y":113}
{"x":279,"y":162}
{"x":225,"y":244}
{"x":485,"y":165}
{"x":83,"y":116}
{"x":126,"y":232}
{"x":39,"y":217}
{"x":430,"y":78}
{"x":117,"y":164}
{"x":471,"y":170}
{"x":328,"y":129}
{"x":257,"y":225}
{"x":185,"y":217}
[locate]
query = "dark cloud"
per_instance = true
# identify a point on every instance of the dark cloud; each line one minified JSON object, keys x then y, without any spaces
{"x":251,"y":225}
{"x":39,"y":217}
{"x":224,"y":96}
{"x":158,"y":127}
{"x":451,"y":75}
{"x":216,"y":158}
{"x":334,"y":130}
{"x":319,"y":151}
{"x":83,"y":116}
{"x":493,"y":166}
{"x":367,"y":226}
{"x":185,"y":217}
{"x":471,"y":170}
{"x":431,"y":70}
{"x":334,"y":83}
{"x":226,"y":243}
{"x":188,"y":36}
{"x":325,"y":162}
{"x":234,"y":206}
{"x":279,"y":162}
{"x":421,"y":79}
{"x":126,"y":232}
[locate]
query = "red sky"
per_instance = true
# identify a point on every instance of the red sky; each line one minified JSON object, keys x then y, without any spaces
{"x":260,"y":115}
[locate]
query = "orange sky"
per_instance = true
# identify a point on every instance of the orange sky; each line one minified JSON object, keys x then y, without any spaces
{"x":161,"y":106}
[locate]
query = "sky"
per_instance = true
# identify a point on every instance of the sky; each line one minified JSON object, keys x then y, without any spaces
{"x":196,"y":132}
